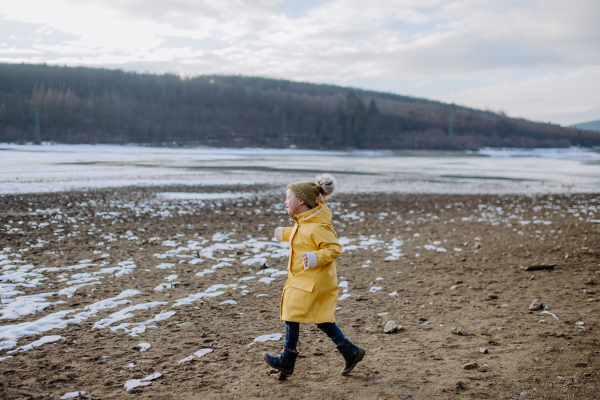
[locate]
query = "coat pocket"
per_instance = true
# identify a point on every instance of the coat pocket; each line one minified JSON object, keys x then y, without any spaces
{"x":299,"y":295}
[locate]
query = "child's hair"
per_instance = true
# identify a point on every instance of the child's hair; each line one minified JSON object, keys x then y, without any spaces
{"x":327,"y":185}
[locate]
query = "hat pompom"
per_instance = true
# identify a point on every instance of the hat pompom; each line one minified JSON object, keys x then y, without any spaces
{"x":327,"y":184}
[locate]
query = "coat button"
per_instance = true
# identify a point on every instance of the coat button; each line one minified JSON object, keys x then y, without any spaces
{"x":300,"y":287}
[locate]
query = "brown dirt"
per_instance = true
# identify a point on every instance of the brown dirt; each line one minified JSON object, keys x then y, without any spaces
{"x":552,"y":360}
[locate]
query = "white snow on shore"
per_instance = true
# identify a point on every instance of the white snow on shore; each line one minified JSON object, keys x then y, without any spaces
{"x":133,"y":383}
{"x":37,"y":343}
{"x":27,"y":288}
{"x":203,"y":196}
{"x":58,"y":320}
{"x":265,"y":338}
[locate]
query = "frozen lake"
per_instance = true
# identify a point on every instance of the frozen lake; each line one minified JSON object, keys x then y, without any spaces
{"x":46,"y":168}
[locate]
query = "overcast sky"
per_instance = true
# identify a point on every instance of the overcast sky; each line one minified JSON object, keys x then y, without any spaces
{"x":534,"y":59}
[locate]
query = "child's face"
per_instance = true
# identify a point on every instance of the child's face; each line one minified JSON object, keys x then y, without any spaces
{"x":293,"y":204}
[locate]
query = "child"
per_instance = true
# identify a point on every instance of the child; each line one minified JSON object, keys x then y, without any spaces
{"x":311,"y":291}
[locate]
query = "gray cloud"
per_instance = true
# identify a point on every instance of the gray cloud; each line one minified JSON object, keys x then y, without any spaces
{"x":386,"y":40}
{"x":337,"y":41}
{"x":204,"y":44}
{"x":24,"y":35}
{"x":189,"y":14}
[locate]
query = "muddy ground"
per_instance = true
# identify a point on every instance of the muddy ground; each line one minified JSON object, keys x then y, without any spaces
{"x":462,"y":264}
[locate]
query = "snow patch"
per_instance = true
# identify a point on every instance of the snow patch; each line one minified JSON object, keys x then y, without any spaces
{"x":264,"y":338}
{"x":133,"y":383}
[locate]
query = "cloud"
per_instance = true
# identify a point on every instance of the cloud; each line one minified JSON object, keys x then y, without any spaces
{"x":567,"y":98}
{"x":338,"y":41}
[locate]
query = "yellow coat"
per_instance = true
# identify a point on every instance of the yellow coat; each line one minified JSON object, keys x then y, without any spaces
{"x":310,"y":294}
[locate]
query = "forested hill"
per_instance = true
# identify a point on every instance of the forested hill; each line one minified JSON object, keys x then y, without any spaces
{"x":89,"y":105}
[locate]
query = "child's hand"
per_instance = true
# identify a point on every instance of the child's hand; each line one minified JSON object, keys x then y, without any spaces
{"x":305,"y":260}
{"x":278,"y":234}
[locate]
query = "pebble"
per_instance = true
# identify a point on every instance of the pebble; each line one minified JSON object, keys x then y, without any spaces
{"x":470,"y":366}
{"x":536,"y":305}
{"x":524,"y":394}
{"x":592,"y":300}
{"x":483,"y":350}
{"x":458,"y":331}
{"x":587,"y":291}
{"x":457,"y":282}
{"x":390,"y":327}
{"x":492,"y":296}
{"x":483,"y":368}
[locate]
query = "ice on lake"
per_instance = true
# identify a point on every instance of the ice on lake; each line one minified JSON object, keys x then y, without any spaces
{"x":26,"y":169}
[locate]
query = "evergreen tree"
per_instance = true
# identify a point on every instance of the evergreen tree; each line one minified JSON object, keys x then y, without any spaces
{"x":91,"y":105}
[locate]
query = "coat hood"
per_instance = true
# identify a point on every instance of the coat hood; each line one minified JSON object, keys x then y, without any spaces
{"x":321,"y":214}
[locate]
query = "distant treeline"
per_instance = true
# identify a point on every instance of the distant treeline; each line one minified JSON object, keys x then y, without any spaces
{"x":89,"y":105}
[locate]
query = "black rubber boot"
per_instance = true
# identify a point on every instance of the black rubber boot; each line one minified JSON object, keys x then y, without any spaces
{"x":283,"y":362}
{"x":352,"y":354}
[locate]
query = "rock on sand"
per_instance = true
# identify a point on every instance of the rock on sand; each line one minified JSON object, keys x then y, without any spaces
{"x":536,"y":305}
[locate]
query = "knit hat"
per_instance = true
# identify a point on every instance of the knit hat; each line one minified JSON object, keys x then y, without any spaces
{"x":308,"y":192}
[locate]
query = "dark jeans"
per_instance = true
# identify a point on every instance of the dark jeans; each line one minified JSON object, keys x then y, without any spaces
{"x":292,"y":332}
